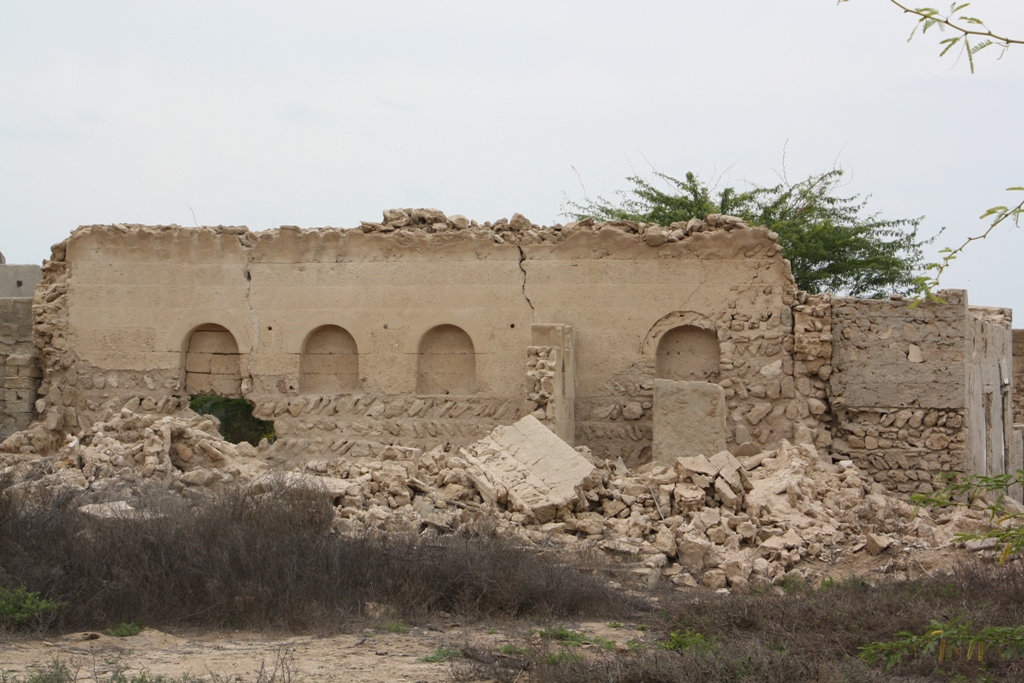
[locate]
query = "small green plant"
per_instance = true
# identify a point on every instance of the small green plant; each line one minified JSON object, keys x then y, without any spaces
{"x":642,"y":627}
{"x":635,"y":645}
{"x":1009,"y":531}
{"x":614,"y":624}
{"x":125,"y":629}
{"x":56,"y":671}
{"x":19,"y":607}
{"x":561,"y":658}
{"x":395,"y":627}
{"x":679,"y":641}
{"x":510,"y":649}
{"x":442,"y":654}
{"x":563,"y":635}
{"x":946,"y":641}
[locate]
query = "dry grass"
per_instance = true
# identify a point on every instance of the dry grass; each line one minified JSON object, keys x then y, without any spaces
{"x":800,"y":634}
{"x":245,"y":560}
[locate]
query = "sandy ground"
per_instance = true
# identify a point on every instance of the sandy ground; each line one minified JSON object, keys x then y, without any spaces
{"x":239,"y":656}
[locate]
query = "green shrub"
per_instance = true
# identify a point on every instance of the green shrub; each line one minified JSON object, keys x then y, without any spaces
{"x":442,"y":654}
{"x":124,"y":630}
{"x":19,"y":607}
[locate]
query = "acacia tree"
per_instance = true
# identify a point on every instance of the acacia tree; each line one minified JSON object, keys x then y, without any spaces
{"x":832,"y":244}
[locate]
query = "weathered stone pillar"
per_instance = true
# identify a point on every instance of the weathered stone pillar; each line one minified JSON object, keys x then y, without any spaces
{"x":551,"y":370}
{"x":689,"y":420}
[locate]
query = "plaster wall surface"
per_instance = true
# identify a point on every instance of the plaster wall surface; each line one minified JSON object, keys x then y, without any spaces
{"x":17,"y":280}
{"x":125,"y":300}
{"x":425,"y":329}
{"x":899,"y":388}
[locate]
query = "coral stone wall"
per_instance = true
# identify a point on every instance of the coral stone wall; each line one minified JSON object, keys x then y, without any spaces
{"x":427,"y":321}
{"x":917,"y":391}
{"x":19,"y":371}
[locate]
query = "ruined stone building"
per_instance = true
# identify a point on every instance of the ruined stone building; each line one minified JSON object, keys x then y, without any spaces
{"x":638,"y":341}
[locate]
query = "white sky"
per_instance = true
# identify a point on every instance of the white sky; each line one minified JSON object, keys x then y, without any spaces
{"x":326,"y":113}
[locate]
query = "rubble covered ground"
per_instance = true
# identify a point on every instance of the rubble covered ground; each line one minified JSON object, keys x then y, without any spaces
{"x":714,"y":521}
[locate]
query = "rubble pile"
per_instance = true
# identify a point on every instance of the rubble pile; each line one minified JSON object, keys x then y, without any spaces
{"x":715,"y":521}
{"x":520,"y":230}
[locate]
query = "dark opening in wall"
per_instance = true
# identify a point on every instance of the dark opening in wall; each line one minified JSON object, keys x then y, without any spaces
{"x":237,"y":423}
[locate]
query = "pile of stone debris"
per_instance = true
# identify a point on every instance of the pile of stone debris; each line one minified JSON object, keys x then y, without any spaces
{"x":520,"y":230}
{"x":714,"y":521}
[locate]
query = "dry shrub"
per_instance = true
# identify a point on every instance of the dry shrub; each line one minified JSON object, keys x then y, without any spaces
{"x":251,"y":560}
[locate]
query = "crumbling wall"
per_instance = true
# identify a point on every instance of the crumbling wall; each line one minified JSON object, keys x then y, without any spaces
{"x":899,"y":388}
{"x":990,"y":392}
{"x":1018,"y":376}
{"x":119,"y":305}
{"x":19,"y":372}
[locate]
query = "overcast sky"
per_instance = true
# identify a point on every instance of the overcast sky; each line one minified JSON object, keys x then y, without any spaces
{"x":326,"y":113}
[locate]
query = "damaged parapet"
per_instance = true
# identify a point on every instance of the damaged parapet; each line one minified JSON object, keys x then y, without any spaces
{"x":411,"y":332}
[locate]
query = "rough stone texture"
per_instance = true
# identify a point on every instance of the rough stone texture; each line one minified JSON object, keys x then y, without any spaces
{"x":551,"y":375}
{"x":19,"y":371}
{"x":1018,"y":376}
{"x":528,"y":466}
{"x":689,"y":420}
{"x":119,"y":305}
{"x":920,"y":391}
{"x":409,"y":333}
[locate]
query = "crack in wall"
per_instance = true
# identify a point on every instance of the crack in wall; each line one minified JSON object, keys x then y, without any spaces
{"x":703,"y":281}
{"x":522,"y":258}
{"x":253,"y":317}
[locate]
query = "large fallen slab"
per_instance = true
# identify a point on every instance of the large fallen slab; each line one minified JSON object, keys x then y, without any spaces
{"x":527,"y":466}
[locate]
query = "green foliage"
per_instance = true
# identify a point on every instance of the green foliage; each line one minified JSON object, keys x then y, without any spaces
{"x":237,"y":423}
{"x":947,"y":641}
{"x":124,"y":630}
{"x":680,"y":641}
{"x":19,"y":607}
{"x":510,"y":649}
{"x":970,"y":33}
{"x":960,"y":489}
{"x":441,"y":654}
{"x":563,"y":635}
{"x":829,"y":239}
{"x":395,"y":627}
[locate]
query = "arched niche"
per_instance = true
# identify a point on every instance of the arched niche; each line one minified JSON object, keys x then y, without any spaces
{"x":212,"y":362}
{"x":688,"y":353}
{"x":330,"y":361}
{"x":446,"y":362}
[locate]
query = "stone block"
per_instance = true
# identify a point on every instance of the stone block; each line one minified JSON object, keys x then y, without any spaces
{"x":689,"y":420}
{"x":539,"y":471}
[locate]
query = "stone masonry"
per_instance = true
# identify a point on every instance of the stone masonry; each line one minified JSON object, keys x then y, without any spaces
{"x":412,"y":332}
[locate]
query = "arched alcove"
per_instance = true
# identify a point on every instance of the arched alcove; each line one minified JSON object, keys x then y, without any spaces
{"x":330,"y":361}
{"x":688,"y":353}
{"x":212,"y":362}
{"x":446,"y":362}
